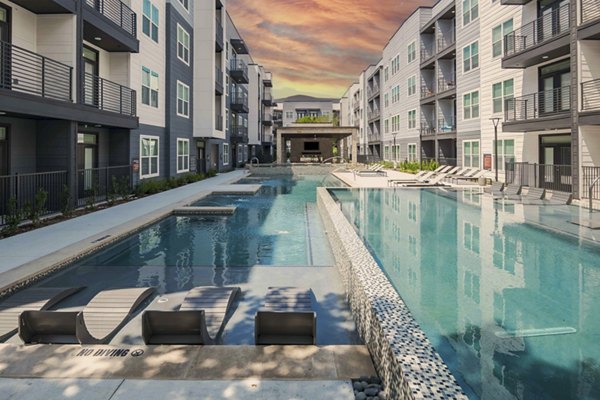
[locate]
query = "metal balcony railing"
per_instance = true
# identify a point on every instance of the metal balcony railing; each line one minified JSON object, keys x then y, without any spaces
{"x":444,"y":42}
{"x":239,"y":131}
{"x":239,"y":97}
{"x":537,"y":32}
{"x":374,"y":114}
{"x":24,"y":71}
{"x":117,"y":12}
{"x":547,"y":176}
{"x":445,"y":84}
{"x":108,"y":96}
{"x":372,"y":91}
{"x":219,"y":79}
{"x":427,"y":129}
{"x":219,"y":122}
{"x":538,"y":105}
{"x":446,"y":125}
{"x":590,"y":11}
{"x":427,"y":91}
{"x":219,"y":33}
{"x":590,"y":95}
{"x":426,"y":54}
{"x":238,"y":65}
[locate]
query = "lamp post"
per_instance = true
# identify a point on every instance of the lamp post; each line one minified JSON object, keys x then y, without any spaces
{"x":394,"y":148}
{"x":495,"y":121}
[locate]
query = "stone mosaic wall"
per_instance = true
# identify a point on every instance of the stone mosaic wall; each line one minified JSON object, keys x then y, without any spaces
{"x":406,"y":361}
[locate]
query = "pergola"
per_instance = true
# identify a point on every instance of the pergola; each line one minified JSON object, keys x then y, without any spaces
{"x":299,"y":133}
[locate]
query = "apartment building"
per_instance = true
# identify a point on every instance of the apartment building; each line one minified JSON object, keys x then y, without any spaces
{"x":526,"y":67}
{"x":295,"y":108}
{"x":96,"y":89}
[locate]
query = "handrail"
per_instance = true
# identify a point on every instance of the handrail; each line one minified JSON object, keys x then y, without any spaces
{"x":333,"y":158}
{"x":591,"y":192}
{"x":257,"y":161}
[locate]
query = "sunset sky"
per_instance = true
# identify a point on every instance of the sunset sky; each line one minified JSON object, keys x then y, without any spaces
{"x":317,"y":47}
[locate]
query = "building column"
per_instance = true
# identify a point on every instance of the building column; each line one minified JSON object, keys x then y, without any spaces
{"x":280,"y":148}
{"x":355,"y":146}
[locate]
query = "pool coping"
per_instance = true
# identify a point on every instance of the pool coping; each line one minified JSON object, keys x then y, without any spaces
{"x":406,"y":361}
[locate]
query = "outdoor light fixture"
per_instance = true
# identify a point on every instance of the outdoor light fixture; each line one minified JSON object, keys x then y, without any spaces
{"x":495,"y":121}
{"x":97,"y":38}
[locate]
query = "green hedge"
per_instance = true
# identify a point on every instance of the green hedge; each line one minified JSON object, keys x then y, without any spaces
{"x":153,"y":186}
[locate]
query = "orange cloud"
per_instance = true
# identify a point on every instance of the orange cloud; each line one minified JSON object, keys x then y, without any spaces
{"x":317,"y":47}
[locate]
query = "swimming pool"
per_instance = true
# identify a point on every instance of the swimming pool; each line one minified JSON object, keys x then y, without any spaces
{"x":511,"y":308}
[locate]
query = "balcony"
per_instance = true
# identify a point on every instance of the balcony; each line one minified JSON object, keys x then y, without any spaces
{"x":108,"y":96}
{"x":238,"y":132}
{"x":219,"y":82}
{"x":590,"y":20}
{"x":267,"y":119}
{"x":427,"y":57}
{"x":427,"y":93}
{"x":446,"y":88}
{"x":219,"y":41}
{"x":539,"y":41}
{"x":446,"y":125}
{"x":239,"y":101}
{"x":427,"y":129}
{"x":238,"y":70}
{"x":373,"y":91}
{"x":514,"y":2}
{"x":444,"y":43}
{"x":374,"y":115}
{"x":47,"y":6}
{"x":539,"y":111}
{"x":590,"y":103}
{"x":374,"y":137}
{"x":267,"y":99}
{"x":113,"y":23}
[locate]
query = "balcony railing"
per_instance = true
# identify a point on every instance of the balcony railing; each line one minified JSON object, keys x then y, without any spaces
{"x":426,"y":54}
{"x":546,"y":176}
{"x":219,"y":34}
{"x":239,"y":97}
{"x":590,"y":93}
{"x":590,"y":174}
{"x":239,"y":131}
{"x":108,"y":96}
{"x":219,"y":80}
{"x":590,"y":11}
{"x":27,"y":72}
{"x":374,"y":114}
{"x":537,"y":32}
{"x":538,"y":105}
{"x":444,"y":42}
{"x":426,"y":91}
{"x":238,"y":65}
{"x":117,"y":12}
{"x":445,"y":84}
{"x":427,"y":129}
{"x":446,"y":125}
{"x":372,"y":91}
{"x":219,"y":122}
{"x":267,"y":119}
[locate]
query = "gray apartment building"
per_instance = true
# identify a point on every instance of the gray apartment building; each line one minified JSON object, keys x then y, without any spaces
{"x":96,"y":89}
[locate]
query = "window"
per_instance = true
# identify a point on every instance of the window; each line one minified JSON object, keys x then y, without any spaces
{"x":471,"y":153}
{"x":412,"y":52}
{"x":501,"y":92}
{"x":387,"y":126}
{"x":183,"y":100}
{"x":183,"y":155}
{"x":386,"y":73}
{"x":412,"y":119}
{"x":386,"y":99}
{"x":412,"y":152}
{"x":183,"y":45}
{"x":395,"y":94}
{"x":225,"y":153}
{"x":395,"y":65}
{"x":412,"y":85}
{"x":150,"y":20}
{"x":386,"y":152}
{"x":470,"y":11}
{"x":498,"y":33}
{"x":395,"y":123}
{"x":149,"y":87}
{"x":471,"y":57}
{"x":506,"y":152}
{"x":185,"y":4}
{"x":149,"y":156}
{"x":289,"y":115}
{"x":471,"y":105}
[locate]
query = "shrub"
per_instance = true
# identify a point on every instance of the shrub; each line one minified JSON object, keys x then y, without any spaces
{"x":13,"y":217}
{"x":37,"y":209}
{"x":66,"y":207}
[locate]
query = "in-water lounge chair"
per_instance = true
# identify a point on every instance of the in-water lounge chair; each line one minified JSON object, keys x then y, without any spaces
{"x":103,"y":316}
{"x":200,"y":319}
{"x":32,"y":299}
{"x":286,"y":317}
{"x":495,"y":189}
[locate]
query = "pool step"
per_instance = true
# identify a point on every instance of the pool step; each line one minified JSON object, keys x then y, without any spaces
{"x":250,"y":190}
{"x":204,"y":211}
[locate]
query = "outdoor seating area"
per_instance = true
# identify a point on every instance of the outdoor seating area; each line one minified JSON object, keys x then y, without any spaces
{"x":528,"y":195}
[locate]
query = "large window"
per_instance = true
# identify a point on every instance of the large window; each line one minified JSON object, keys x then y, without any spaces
{"x":386,"y":126}
{"x":470,"y":11}
{"x":471,"y":153}
{"x":498,"y":33}
{"x":395,"y":94}
{"x":412,"y":52}
{"x":471,"y":105}
{"x":412,"y":152}
{"x":506,"y":152}
{"x":183,"y":45}
{"x":412,"y":119}
{"x":396,"y":64}
{"x":183,"y":100}
{"x":150,"y":20}
{"x":149,"y":156}
{"x":395,"y":123}
{"x":386,"y":152}
{"x":386,"y":99}
{"x":412,"y":85}
{"x":471,"y":57}
{"x":501,"y":92}
{"x":386,"y":74}
{"x":149,"y":87}
{"x":183,"y":155}
{"x":225,"y":153}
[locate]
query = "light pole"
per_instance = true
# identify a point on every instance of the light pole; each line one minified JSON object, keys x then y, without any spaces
{"x":394,"y":148}
{"x":495,"y":121}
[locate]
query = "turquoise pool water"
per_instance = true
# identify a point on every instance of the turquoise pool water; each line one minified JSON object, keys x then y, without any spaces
{"x":514,"y":310}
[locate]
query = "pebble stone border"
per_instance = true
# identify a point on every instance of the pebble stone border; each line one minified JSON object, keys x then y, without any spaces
{"x":407,"y":363}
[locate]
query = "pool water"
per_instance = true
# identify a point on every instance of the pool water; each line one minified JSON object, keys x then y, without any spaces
{"x":514,"y":310}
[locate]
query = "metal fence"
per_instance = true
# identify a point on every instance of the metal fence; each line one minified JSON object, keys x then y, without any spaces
{"x":21,"y":190}
{"x":368,"y":158}
{"x":538,"y":105}
{"x":98,"y":184}
{"x":538,"y":31}
{"x":117,"y":12}
{"x":546,"y":176}
{"x":590,"y":174}
{"x":108,"y":96}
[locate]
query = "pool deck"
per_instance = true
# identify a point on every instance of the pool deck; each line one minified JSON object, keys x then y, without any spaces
{"x":238,"y":370}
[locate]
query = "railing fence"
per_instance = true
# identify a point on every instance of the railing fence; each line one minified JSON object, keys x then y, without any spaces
{"x":545,"y":176}
{"x":590,"y":174}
